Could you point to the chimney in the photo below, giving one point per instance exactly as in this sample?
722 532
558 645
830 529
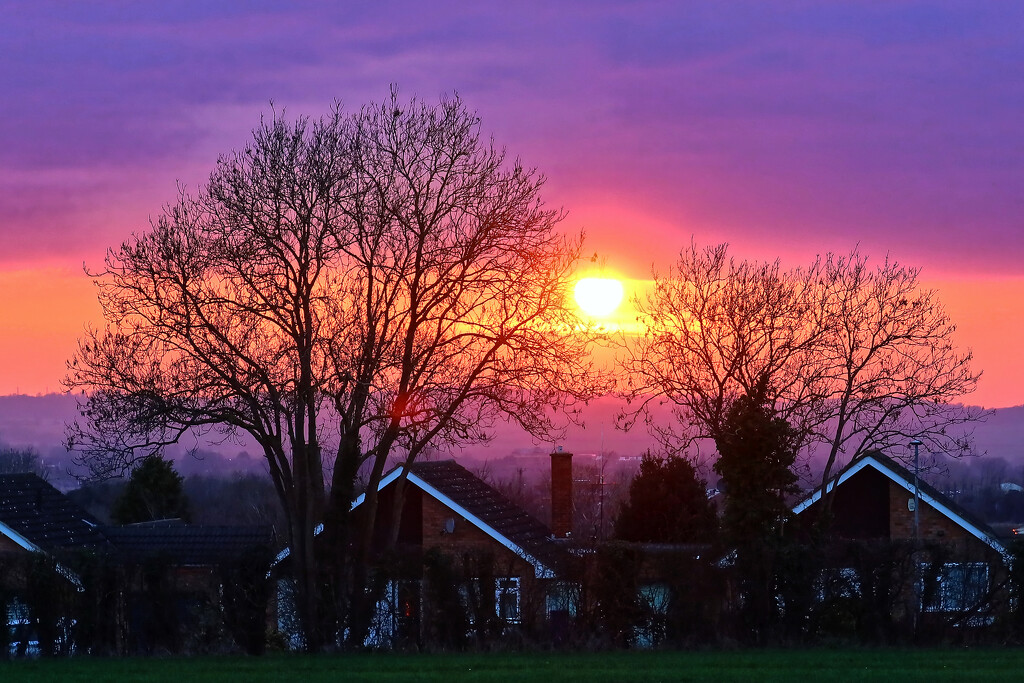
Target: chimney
561 493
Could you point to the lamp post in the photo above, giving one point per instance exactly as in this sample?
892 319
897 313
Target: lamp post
917 498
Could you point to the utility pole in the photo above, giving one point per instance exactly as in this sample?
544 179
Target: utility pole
917 497
918 577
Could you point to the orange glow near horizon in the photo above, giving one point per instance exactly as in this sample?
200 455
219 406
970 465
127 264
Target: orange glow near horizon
42 314
44 311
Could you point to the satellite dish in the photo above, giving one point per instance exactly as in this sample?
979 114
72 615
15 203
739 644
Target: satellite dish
449 526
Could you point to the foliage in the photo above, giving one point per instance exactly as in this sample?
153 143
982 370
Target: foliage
444 614
154 491
612 594
756 453
346 291
245 593
667 503
1016 587
854 357
50 603
644 597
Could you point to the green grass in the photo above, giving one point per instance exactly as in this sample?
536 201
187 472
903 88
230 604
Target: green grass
747 665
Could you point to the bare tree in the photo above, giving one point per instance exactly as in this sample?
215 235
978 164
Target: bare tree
461 314
345 291
890 369
854 357
714 328
21 460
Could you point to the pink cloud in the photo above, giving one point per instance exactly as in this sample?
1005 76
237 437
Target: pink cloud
786 128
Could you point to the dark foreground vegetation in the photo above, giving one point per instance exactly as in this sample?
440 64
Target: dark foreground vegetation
750 665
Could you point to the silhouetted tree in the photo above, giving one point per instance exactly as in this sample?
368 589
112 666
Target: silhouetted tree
154 491
21 460
857 358
246 589
756 453
345 291
667 503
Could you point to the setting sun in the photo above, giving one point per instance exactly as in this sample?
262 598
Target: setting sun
599 296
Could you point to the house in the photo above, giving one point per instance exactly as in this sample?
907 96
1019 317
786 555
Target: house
39 528
178 585
37 518
465 562
68 581
474 552
940 563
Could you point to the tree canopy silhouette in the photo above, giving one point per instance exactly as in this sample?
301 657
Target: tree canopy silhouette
348 291
154 491
852 357
667 503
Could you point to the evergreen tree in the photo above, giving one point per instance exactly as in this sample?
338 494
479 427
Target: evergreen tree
756 453
667 504
154 491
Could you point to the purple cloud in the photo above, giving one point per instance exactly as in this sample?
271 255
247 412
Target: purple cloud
794 126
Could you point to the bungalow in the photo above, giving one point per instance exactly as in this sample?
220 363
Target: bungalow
67 582
37 518
953 565
467 562
39 527
481 557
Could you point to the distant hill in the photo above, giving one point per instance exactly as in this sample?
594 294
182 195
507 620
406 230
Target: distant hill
1002 435
39 421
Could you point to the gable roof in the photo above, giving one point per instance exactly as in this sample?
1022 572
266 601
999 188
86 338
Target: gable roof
485 508
904 478
40 518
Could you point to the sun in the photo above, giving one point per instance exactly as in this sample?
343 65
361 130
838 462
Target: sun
599 296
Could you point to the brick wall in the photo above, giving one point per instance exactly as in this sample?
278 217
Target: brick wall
467 538
561 494
933 525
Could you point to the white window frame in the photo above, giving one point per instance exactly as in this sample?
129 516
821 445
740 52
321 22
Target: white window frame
954 591
507 592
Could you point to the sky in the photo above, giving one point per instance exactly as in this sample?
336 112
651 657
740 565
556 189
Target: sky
787 129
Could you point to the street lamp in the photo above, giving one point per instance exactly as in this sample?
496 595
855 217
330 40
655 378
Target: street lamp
916 443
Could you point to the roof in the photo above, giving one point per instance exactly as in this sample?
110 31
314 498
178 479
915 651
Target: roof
38 517
904 478
183 544
492 513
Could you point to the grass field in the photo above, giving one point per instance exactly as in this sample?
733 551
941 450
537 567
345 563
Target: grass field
760 666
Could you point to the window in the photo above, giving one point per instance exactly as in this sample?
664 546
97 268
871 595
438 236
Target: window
563 597
475 597
384 626
838 583
506 599
959 586
654 598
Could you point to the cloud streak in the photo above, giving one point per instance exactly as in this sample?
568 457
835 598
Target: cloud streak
786 128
